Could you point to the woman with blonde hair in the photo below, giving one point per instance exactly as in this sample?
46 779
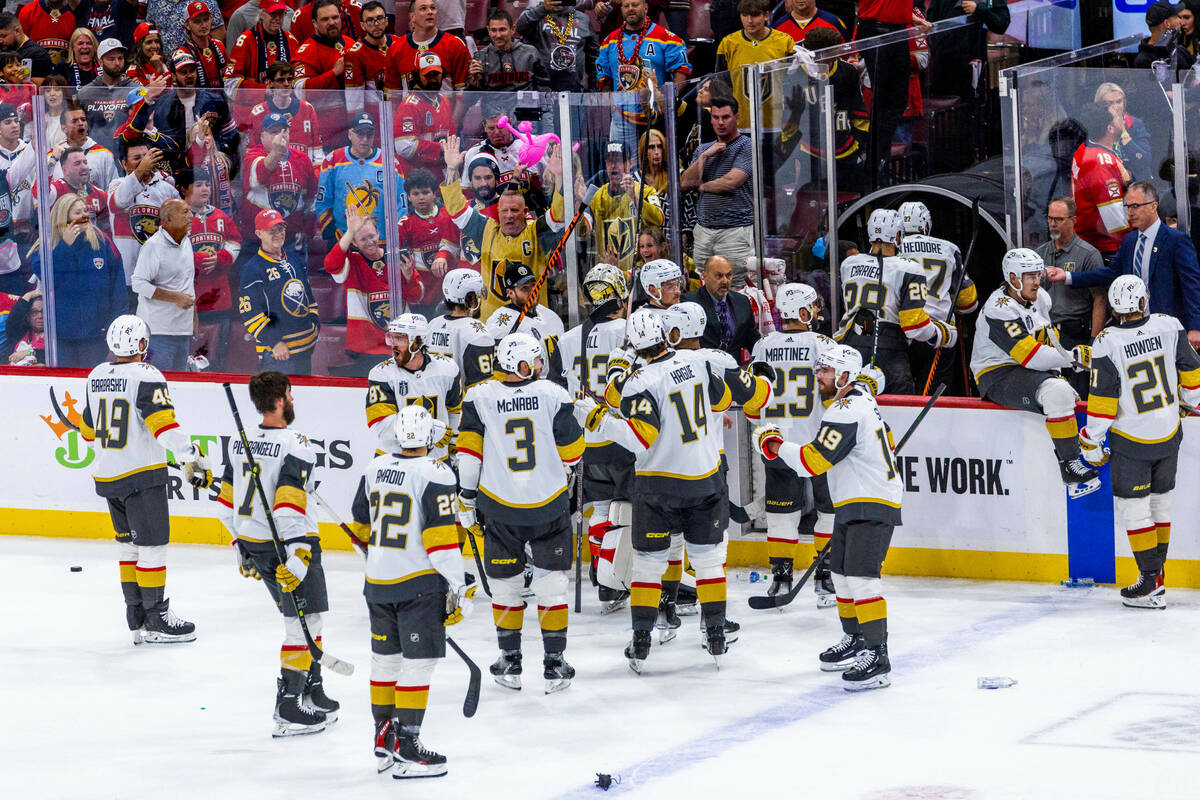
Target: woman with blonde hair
88 283
81 66
1133 143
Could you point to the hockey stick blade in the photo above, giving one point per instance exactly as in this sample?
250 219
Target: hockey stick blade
336 664
471 702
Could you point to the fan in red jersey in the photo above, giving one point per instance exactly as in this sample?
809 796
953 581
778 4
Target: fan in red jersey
425 118
77 179
254 51
424 37
429 233
280 98
209 53
216 242
49 23
366 60
320 71
276 177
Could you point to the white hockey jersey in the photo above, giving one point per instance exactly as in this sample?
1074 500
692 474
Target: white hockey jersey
464 341
853 445
942 262
795 407
435 385
407 506
129 416
543 325
1010 333
286 461
517 440
1140 372
902 302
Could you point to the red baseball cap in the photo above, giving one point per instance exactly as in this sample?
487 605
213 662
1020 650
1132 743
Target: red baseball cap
143 30
267 218
429 62
196 8
272 6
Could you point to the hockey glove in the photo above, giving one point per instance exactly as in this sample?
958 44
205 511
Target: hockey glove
457 608
466 511
1092 451
872 379
245 564
768 438
291 573
763 370
446 437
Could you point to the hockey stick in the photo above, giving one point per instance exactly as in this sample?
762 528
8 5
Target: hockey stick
937 356
326 660
579 541
532 302
781 600
472 700
478 561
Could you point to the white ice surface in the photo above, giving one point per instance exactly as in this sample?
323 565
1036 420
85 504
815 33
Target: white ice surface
1106 704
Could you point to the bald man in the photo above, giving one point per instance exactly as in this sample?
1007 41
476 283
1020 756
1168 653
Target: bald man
164 282
731 325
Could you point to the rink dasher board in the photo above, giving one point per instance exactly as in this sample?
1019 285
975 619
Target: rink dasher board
983 496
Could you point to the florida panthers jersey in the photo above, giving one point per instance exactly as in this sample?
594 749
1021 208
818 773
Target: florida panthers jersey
135 213
128 414
795 403
673 406
1140 372
435 385
517 439
286 461
467 343
903 295
1011 333
853 445
407 503
942 263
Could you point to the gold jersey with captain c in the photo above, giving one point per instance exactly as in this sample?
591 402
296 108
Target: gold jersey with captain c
1011 333
128 412
795 406
854 446
435 384
903 300
464 341
404 508
1140 372
285 460
517 440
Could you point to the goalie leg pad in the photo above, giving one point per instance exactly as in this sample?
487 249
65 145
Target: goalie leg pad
614 570
550 589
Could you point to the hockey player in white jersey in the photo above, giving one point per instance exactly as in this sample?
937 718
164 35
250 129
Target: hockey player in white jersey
1142 367
893 301
404 511
542 324
519 436
459 335
662 285
411 377
796 410
1016 359
129 419
285 461
854 446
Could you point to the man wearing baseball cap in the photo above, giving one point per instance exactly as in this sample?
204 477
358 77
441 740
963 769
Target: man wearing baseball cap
616 204
208 52
275 301
278 177
255 50
1162 44
171 17
353 177
425 118
541 322
104 99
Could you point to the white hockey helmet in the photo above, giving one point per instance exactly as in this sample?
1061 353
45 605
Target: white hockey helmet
841 359
126 335
915 217
792 297
1021 261
413 427
645 329
1126 294
516 348
883 226
659 271
414 326
460 284
688 317
605 282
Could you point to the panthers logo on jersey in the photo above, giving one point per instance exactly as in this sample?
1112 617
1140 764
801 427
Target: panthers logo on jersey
143 221
284 197
629 76
380 306
295 297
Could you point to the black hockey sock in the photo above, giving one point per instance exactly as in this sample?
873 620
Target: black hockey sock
847 616
1064 433
872 620
643 604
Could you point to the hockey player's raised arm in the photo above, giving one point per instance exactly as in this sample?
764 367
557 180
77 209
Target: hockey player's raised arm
1009 336
440 535
643 419
833 442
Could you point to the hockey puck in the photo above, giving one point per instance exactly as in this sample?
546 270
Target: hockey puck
76 569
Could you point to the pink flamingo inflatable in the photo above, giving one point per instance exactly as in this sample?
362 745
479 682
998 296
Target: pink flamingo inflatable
533 148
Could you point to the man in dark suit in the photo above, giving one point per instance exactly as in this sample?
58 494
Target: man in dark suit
1164 258
731 325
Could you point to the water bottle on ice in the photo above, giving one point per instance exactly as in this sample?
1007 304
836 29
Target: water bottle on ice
996 683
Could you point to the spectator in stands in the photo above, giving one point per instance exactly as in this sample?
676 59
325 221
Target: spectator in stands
246 17
721 174
1079 314
107 19
171 16
148 61
89 286
429 235
425 117
366 60
423 36
1163 43
484 175
352 179
134 200
452 17
506 65
281 98
359 263
100 159
18 171
652 244
80 66
12 37
104 99
216 244
1162 257
1133 138
617 204
276 303
499 143
276 177
54 100
730 319
565 39
1098 180
633 57
1187 12
14 89
208 51
803 15
321 69
350 14
165 282
49 23
77 179
24 342
951 52
255 50
755 43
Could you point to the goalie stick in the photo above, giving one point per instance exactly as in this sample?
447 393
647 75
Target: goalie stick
781 600
325 659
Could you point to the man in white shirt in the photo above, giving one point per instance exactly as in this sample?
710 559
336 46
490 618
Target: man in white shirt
18 165
164 282
100 159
